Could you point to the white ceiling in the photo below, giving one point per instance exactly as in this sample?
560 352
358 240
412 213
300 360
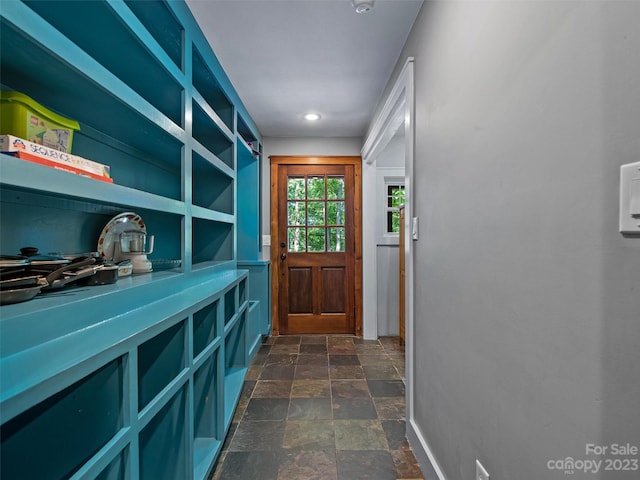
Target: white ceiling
289 57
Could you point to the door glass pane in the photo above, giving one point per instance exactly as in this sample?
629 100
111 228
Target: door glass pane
295 213
295 188
297 239
315 188
336 239
316 240
317 202
316 213
335 188
335 213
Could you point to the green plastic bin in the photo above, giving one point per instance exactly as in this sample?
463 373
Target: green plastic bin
23 117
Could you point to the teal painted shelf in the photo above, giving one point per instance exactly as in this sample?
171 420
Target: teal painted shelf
22 175
138 379
150 346
85 329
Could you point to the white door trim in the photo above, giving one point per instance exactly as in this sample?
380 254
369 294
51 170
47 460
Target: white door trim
399 106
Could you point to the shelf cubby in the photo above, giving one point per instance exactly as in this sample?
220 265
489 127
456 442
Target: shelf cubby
74 226
208 133
167 232
206 415
230 305
212 242
160 360
64 226
54 438
205 327
242 292
163 26
247 136
206 83
245 131
235 365
212 188
126 56
248 179
166 432
159 175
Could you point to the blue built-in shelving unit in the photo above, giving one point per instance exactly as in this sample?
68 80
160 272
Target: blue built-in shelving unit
249 234
139 379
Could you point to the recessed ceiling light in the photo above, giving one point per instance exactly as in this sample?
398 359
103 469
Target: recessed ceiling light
312 117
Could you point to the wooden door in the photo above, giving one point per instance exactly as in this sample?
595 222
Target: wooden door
315 243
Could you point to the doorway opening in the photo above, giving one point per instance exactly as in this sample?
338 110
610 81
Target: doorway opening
394 121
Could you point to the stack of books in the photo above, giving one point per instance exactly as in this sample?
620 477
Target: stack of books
50 157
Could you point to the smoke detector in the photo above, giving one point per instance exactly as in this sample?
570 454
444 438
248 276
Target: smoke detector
362 6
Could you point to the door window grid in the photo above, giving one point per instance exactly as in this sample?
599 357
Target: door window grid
316 213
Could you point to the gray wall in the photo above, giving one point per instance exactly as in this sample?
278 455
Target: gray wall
527 299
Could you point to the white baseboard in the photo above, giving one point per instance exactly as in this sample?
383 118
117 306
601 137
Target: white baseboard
421 450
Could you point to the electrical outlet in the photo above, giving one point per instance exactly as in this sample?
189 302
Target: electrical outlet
481 472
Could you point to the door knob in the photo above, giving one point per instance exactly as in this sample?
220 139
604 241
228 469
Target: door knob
282 244
283 256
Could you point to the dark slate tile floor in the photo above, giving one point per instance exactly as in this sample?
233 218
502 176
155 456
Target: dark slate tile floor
321 407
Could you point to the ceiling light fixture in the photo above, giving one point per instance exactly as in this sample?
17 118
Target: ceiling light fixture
362 6
312 117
